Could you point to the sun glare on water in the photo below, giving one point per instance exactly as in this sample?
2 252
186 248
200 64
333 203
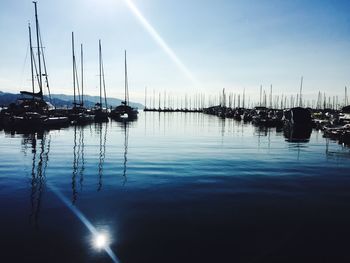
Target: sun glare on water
100 241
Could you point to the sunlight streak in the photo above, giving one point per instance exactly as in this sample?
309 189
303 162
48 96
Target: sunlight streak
161 41
100 239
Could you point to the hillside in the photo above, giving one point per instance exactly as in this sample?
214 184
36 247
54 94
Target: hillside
62 100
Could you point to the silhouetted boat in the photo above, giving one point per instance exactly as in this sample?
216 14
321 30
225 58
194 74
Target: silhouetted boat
58 121
259 116
79 114
297 124
124 111
25 120
344 116
297 117
337 132
32 111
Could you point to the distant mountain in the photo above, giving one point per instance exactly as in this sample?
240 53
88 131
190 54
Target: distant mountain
7 98
90 101
62 100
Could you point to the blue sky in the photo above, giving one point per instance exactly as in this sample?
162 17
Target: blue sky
232 44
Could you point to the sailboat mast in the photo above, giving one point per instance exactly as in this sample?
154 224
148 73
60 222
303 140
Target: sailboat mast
82 75
346 96
100 60
165 100
31 57
126 82
145 97
104 83
159 101
301 89
45 70
271 106
38 44
260 95
243 103
73 69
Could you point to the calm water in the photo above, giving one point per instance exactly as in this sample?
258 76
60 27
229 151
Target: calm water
173 188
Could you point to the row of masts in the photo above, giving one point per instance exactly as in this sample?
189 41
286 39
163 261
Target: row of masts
78 95
163 101
39 70
102 83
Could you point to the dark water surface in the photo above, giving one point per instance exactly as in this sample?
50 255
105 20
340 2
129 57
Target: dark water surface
173 188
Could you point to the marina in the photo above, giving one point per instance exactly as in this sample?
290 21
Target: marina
31 111
170 185
134 136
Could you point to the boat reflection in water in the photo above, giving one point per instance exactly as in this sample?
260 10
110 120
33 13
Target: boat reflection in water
79 162
125 126
182 184
101 129
124 112
297 134
78 166
39 145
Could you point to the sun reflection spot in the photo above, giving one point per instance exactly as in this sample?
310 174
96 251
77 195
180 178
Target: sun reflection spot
100 241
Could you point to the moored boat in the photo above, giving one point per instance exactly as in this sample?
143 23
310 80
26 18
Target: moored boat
78 114
297 117
124 111
31 111
56 121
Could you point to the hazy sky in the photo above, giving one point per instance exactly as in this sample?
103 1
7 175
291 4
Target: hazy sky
232 44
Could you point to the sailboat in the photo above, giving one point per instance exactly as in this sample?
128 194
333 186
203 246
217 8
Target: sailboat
36 99
32 111
78 114
101 114
124 111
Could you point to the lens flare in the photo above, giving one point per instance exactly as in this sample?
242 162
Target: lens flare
101 240
161 42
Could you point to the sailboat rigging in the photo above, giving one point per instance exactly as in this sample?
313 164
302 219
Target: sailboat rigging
101 113
41 64
124 111
32 111
78 114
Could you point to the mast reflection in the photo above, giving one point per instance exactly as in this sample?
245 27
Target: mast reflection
126 142
75 167
78 166
125 125
102 152
81 174
39 143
